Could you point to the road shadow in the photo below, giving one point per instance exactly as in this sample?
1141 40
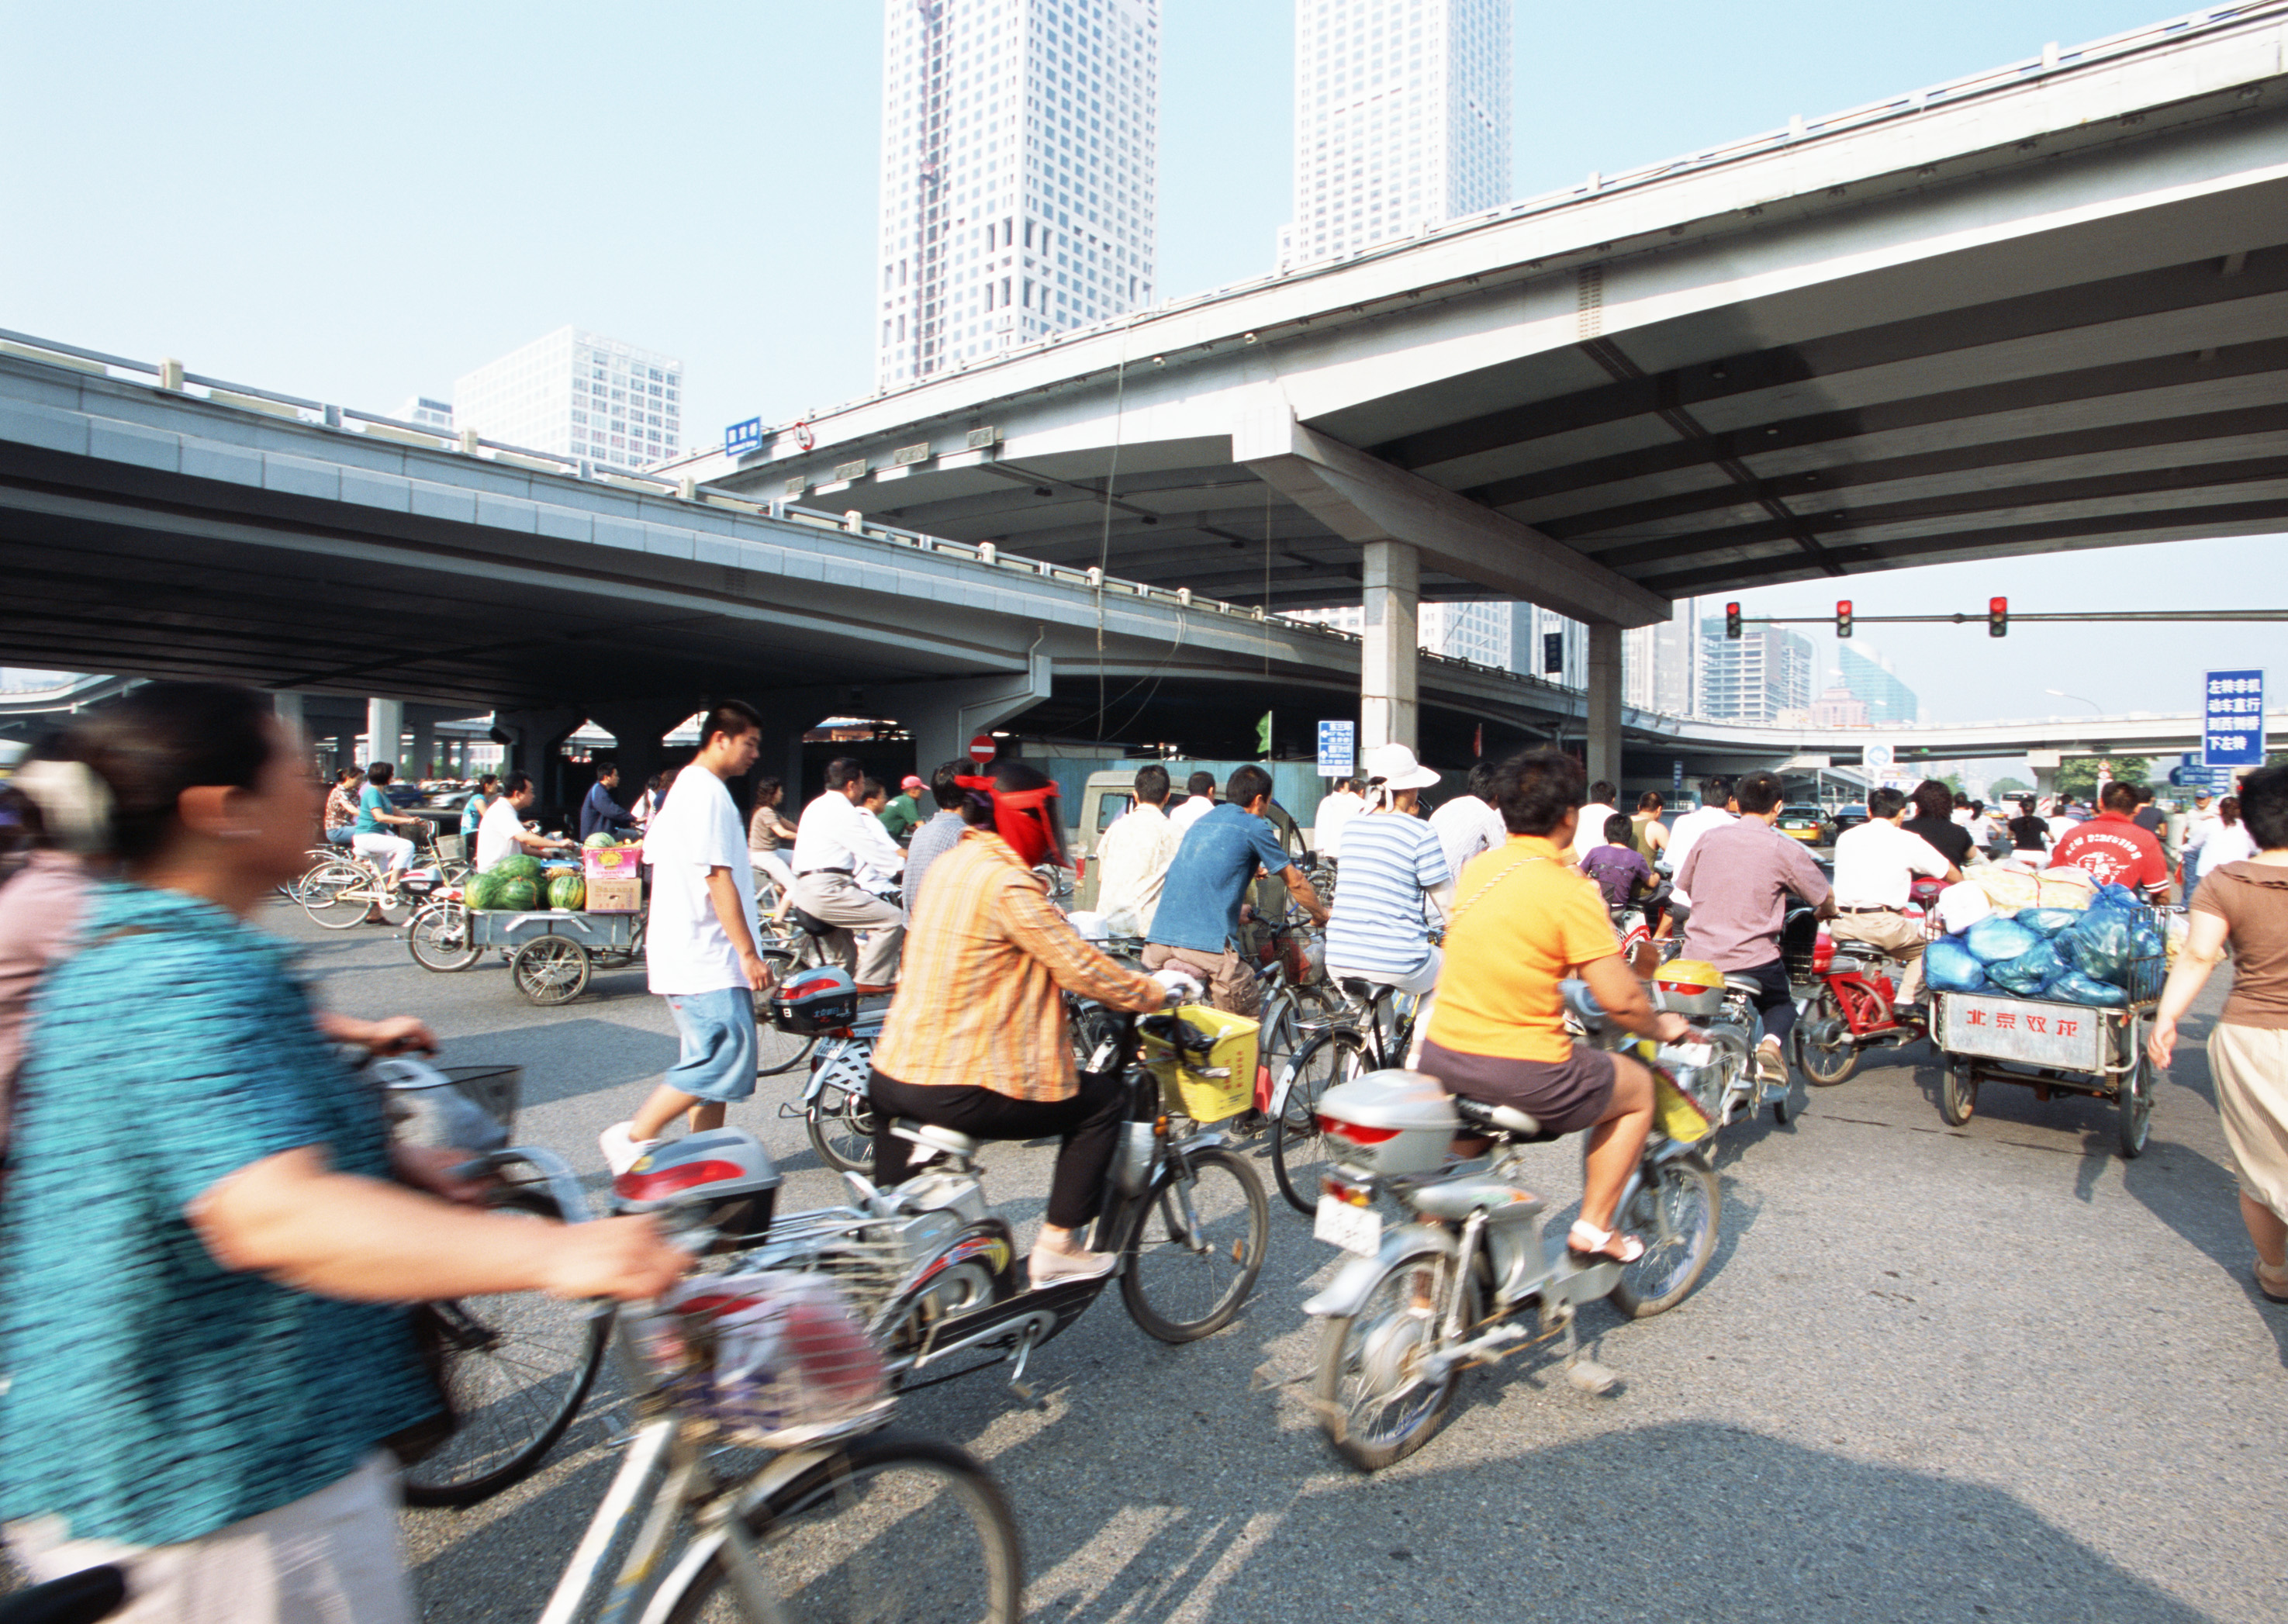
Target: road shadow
567 1055
1686 1521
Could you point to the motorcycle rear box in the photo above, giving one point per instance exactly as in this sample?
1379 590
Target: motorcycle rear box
810 1002
724 1174
1404 1119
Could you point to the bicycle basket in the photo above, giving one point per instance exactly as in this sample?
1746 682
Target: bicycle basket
452 849
1304 953
1214 1074
469 1108
774 1359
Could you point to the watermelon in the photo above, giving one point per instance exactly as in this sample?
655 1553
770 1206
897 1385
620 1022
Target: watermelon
568 891
482 891
600 841
519 895
517 866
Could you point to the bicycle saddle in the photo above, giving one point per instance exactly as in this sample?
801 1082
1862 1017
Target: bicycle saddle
937 1138
1499 1119
1743 984
809 922
1362 989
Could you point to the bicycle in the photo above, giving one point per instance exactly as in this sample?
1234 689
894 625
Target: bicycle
344 889
844 1520
1337 1053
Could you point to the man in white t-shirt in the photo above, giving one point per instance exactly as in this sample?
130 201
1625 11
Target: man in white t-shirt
1590 834
837 842
1340 804
501 831
1199 800
699 940
1468 824
1876 864
1133 857
1717 808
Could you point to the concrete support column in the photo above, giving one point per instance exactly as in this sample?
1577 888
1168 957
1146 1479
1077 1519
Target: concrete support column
424 751
1389 660
529 739
943 717
636 728
1603 720
2045 764
288 706
384 730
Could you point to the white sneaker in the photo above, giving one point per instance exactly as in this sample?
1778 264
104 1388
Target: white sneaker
621 1151
1049 1268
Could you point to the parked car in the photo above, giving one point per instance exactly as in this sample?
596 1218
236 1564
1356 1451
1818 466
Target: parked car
1849 817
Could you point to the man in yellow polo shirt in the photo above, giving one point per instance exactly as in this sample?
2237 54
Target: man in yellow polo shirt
1524 920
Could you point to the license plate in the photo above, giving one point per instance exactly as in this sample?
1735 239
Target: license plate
1354 1229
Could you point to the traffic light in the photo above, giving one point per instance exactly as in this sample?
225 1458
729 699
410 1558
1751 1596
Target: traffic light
1843 617
1998 617
1732 621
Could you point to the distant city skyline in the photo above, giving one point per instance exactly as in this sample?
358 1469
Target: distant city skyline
579 395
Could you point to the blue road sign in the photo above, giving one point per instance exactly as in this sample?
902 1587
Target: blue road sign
742 438
1337 749
2232 727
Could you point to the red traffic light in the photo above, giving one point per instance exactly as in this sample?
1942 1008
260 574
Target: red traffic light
1732 621
1843 617
1998 617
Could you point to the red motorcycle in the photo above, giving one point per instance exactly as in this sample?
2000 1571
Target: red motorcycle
1855 1004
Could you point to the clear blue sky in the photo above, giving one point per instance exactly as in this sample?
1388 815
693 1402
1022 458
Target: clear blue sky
355 203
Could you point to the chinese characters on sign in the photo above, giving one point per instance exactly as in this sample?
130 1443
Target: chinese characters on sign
2232 711
1337 749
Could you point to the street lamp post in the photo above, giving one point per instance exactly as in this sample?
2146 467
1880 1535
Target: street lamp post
2062 694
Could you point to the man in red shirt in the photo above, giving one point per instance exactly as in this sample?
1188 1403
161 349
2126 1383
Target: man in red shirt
2114 849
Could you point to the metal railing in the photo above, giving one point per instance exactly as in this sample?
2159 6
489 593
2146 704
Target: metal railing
170 377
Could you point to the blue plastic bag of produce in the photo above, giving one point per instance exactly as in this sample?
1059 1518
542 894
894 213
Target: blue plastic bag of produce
1994 940
2046 921
2112 895
1951 967
2101 946
2029 972
2075 987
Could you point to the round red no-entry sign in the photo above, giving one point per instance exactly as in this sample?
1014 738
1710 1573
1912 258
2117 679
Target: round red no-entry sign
980 748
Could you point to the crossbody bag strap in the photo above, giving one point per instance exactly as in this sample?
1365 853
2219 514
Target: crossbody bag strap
1459 908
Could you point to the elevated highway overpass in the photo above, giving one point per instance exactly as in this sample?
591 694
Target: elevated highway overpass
2042 309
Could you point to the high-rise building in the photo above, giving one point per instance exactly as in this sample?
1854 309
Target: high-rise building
1872 681
428 414
1509 637
1660 664
1401 119
1020 143
578 394
1758 677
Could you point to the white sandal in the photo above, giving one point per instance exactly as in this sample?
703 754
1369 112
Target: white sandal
1590 1241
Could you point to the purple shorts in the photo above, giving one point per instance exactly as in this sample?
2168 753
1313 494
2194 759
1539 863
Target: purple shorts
1563 1095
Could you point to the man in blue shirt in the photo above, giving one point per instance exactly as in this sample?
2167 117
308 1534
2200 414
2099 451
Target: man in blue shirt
602 812
1200 901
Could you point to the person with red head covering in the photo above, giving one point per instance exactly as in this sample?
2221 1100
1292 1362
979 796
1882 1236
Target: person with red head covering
976 1040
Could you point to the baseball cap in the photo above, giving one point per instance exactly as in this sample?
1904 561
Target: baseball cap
910 782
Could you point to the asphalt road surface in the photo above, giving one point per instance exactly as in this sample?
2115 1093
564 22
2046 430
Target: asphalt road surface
1995 1373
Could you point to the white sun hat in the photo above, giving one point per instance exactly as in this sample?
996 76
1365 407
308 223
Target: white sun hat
1393 766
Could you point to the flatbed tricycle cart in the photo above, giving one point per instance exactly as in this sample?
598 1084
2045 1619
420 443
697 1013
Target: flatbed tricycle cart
552 951
2052 1048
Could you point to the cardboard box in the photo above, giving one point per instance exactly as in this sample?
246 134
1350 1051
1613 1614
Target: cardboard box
620 895
610 863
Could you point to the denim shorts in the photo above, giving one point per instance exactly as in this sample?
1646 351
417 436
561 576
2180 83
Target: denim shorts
719 1058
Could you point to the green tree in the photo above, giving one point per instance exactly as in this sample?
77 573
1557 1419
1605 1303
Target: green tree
2078 777
2008 786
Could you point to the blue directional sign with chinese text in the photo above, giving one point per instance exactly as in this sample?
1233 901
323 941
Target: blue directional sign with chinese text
2232 727
1337 749
742 438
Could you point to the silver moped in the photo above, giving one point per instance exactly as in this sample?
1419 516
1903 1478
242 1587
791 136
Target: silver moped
1469 1276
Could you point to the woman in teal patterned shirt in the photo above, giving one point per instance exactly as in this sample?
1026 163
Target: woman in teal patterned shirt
204 1232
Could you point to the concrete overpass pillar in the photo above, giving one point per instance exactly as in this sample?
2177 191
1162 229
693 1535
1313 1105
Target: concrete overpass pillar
944 717
636 728
1603 719
423 751
288 706
529 739
384 730
2045 764
1388 661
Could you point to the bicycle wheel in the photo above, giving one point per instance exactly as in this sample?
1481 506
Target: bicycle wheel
891 1529
1675 1214
338 895
440 938
1298 1150
551 970
795 1056
1377 1401
1196 1246
521 1366
841 1129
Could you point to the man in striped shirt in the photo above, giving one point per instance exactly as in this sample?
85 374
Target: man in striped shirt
1393 862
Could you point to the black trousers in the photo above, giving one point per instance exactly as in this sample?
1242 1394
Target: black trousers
1777 1002
1088 1123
